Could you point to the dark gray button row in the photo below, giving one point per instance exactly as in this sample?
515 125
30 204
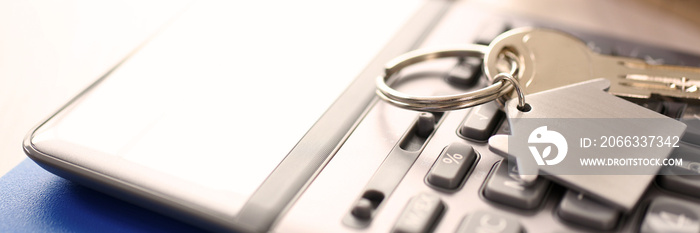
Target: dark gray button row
503 188
420 215
466 72
451 167
586 212
685 178
667 214
481 121
482 221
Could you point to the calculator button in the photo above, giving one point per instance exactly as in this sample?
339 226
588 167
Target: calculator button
583 211
420 214
692 132
654 106
466 72
490 30
452 165
363 209
691 118
674 109
504 189
481 121
425 124
667 214
683 179
482 221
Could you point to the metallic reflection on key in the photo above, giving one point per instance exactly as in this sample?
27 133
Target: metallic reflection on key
648 82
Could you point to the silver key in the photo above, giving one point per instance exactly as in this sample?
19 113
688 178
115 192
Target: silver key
550 59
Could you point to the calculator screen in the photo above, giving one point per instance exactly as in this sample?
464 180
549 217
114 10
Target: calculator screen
221 96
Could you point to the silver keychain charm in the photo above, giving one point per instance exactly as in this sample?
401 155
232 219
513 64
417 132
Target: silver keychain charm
502 84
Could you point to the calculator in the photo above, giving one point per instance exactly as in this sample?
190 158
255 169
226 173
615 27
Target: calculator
181 142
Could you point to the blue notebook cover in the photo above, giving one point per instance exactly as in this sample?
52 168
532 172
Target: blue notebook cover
34 200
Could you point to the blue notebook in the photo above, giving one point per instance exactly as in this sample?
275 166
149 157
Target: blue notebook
34 200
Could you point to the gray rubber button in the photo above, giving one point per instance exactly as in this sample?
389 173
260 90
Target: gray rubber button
481 121
451 167
482 221
501 187
692 132
426 124
586 212
466 73
667 214
363 209
683 179
420 214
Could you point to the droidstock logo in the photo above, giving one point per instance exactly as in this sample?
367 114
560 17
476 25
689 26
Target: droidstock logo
541 136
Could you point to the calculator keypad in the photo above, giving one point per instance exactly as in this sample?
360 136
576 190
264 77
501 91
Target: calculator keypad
477 191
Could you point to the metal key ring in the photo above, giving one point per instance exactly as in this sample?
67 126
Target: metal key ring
522 106
446 102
